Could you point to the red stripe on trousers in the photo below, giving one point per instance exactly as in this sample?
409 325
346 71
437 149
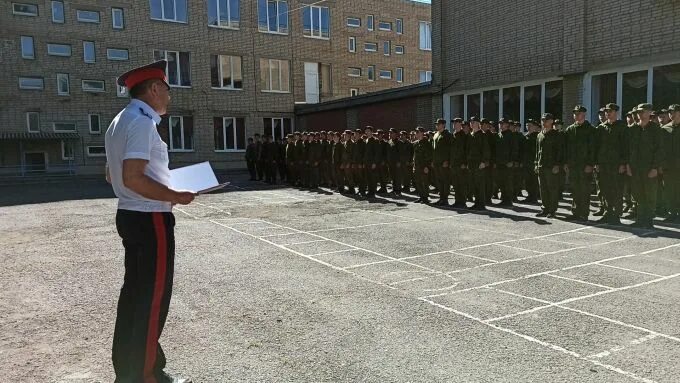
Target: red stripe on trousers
158 290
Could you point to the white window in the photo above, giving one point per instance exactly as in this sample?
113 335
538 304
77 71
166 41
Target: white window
115 54
398 49
425 36
67 150
425 75
274 75
178 133
32 83
89 55
23 9
96 151
58 12
121 91
385 26
64 127
117 18
27 48
88 16
386 74
224 13
353 22
352 44
225 72
272 16
371 73
230 134
33 122
95 125
387 48
353 92
169 10
95 86
370 22
400 74
400 26
63 84
278 128
59 50
371 47
179 66
354 72
316 22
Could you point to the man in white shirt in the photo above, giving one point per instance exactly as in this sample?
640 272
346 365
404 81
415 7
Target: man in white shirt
137 168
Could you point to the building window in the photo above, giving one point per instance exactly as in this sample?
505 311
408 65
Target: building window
33 122
353 22
58 12
178 133
278 128
354 72
230 134
274 75
114 54
353 92
666 85
23 9
371 73
273 16
370 22
490 104
96 151
386 74
425 36
117 18
316 22
400 26
88 16
554 98
424 76
352 44
400 74
67 151
31 83
95 125
225 72
385 26
59 50
325 83
63 86
64 127
398 49
89 55
224 13
169 10
27 49
94 86
121 91
371 47
179 66
387 48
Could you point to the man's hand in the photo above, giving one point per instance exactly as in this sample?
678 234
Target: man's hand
566 168
445 164
596 168
482 166
652 173
588 169
622 169
555 169
629 172
508 165
426 170
183 197
373 166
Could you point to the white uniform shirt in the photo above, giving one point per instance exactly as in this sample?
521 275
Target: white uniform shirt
133 135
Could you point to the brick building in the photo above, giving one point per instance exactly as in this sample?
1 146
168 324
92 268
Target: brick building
517 59
237 67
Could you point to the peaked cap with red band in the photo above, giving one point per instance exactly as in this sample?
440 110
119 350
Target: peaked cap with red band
138 75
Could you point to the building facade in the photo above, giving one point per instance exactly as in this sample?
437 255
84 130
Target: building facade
517 59
236 67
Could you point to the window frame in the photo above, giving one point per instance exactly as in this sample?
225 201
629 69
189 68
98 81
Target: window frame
163 18
99 122
221 77
24 56
63 152
171 147
179 70
380 74
28 122
397 48
68 85
93 90
270 68
230 21
109 50
42 81
428 47
278 21
350 74
353 92
370 73
370 50
86 21
399 70
283 126
113 18
347 22
94 52
235 131
380 27
51 45
387 48
55 130
370 23
399 26
427 73
14 11
63 12
89 152
352 44
311 16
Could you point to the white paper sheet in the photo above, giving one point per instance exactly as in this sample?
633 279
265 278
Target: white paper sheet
198 178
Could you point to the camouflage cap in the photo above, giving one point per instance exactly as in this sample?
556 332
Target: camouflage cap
420 129
403 132
611 106
601 111
674 108
358 131
474 119
503 121
368 127
580 109
440 121
547 116
484 121
457 119
645 107
392 130
664 111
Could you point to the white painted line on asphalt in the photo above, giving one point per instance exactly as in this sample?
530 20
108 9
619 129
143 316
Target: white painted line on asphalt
332 252
630 270
303 243
599 235
619 348
580 281
519 248
253 223
361 226
276 235
661 248
211 207
182 211
540 342
476 257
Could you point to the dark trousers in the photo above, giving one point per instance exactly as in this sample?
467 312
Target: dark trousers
422 183
504 180
149 242
443 179
580 183
671 180
645 191
549 184
396 174
270 172
610 183
461 181
478 185
261 165
371 179
252 169
531 182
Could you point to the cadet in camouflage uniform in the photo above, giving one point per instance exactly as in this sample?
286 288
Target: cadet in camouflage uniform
529 162
314 156
478 156
394 162
671 168
359 148
645 159
549 161
291 166
441 155
517 166
406 159
422 165
580 158
611 157
348 161
488 129
506 156
337 150
372 160
458 161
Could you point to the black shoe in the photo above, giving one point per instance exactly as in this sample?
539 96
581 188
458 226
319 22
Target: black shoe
442 202
165 378
382 191
672 218
614 221
551 215
425 201
542 214
626 209
459 205
574 218
599 213
604 218
370 195
419 200
479 207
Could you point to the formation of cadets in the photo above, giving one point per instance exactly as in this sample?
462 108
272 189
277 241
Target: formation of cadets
632 165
